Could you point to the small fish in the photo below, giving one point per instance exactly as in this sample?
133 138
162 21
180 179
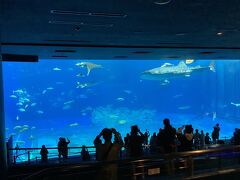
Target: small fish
81 85
235 104
59 82
44 91
17 127
19 104
66 107
22 130
80 75
17 118
122 122
22 110
33 104
189 61
187 75
165 82
112 116
83 96
13 96
31 137
56 69
184 107
25 126
120 99
178 96
18 91
50 88
127 91
69 102
40 112
33 127
73 124
26 106
84 114
214 116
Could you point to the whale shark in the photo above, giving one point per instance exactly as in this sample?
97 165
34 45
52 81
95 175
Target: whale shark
89 66
170 71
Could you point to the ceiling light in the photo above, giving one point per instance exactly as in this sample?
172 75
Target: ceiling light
162 2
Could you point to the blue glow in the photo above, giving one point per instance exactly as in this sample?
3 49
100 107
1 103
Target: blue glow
57 98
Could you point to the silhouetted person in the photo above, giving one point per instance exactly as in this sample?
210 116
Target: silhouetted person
186 139
65 148
108 151
44 154
196 139
60 148
126 143
146 136
207 139
85 154
160 147
136 140
215 133
153 143
202 140
168 137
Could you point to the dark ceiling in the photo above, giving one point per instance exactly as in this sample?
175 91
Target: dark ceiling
122 29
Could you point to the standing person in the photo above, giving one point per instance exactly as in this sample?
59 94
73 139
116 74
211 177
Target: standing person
44 154
108 151
168 137
153 143
186 139
65 148
207 139
136 140
60 148
202 140
85 154
126 141
215 133
196 140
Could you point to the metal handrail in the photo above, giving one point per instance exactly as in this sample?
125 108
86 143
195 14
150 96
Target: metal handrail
189 155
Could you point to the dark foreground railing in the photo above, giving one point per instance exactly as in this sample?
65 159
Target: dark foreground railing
32 155
183 165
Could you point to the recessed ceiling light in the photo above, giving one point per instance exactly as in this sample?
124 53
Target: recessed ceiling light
180 34
162 2
220 33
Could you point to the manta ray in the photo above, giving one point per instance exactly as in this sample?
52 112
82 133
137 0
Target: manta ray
89 66
170 71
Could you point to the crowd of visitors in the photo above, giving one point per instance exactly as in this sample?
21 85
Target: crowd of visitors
137 143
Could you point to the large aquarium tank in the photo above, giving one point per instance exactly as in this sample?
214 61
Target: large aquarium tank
77 99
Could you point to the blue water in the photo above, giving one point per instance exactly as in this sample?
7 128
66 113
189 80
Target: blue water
49 105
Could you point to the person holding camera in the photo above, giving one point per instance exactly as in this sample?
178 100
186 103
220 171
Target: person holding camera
136 141
108 151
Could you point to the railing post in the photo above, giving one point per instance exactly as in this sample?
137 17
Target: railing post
28 157
219 162
170 165
190 166
14 159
